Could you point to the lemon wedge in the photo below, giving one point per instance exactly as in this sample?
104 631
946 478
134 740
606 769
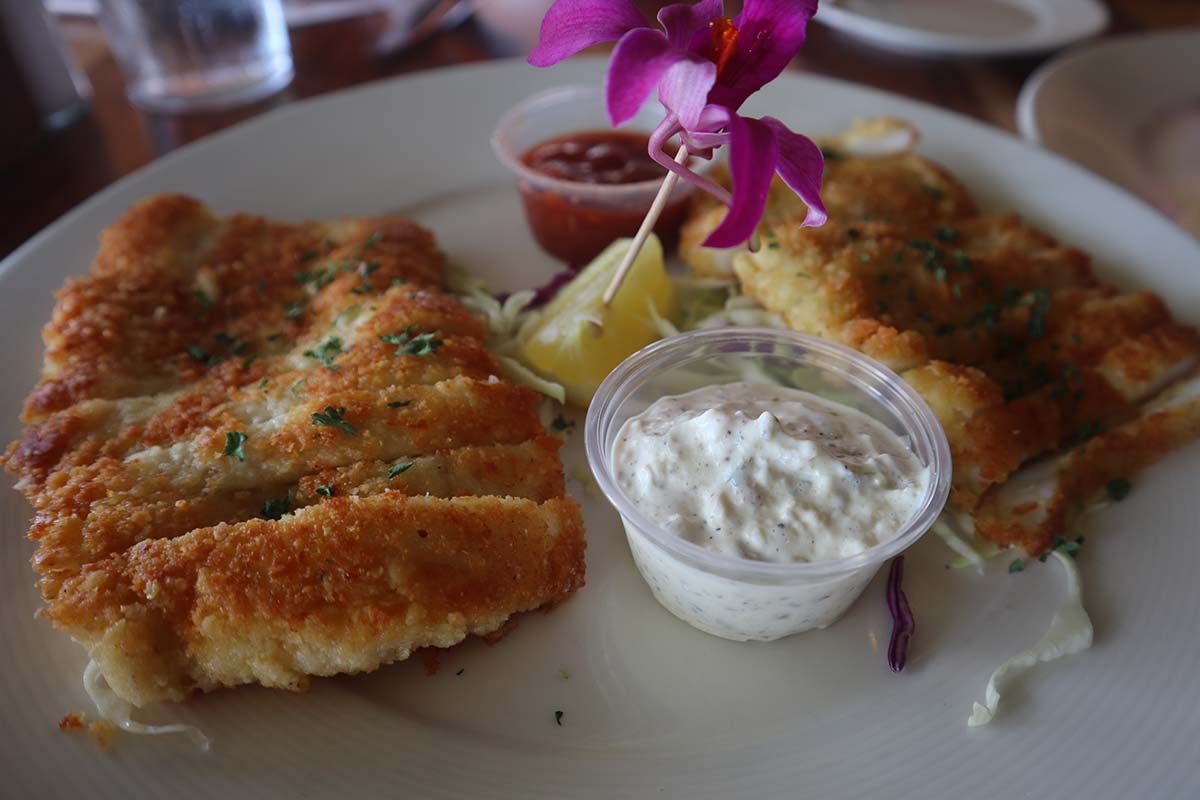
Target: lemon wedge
577 341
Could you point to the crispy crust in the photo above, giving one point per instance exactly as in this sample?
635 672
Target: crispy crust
1017 346
341 587
359 398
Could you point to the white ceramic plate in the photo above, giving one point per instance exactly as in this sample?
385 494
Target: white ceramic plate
966 27
1128 109
652 708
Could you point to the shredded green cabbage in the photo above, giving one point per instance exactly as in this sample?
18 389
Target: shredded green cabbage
1070 632
505 321
957 531
119 712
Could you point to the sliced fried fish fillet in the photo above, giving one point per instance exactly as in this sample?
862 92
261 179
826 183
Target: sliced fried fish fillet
1009 336
1038 502
902 189
340 587
223 392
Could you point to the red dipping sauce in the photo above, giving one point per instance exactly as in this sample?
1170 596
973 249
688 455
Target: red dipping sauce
608 181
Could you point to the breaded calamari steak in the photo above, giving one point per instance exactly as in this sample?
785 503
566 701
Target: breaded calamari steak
248 428
1009 336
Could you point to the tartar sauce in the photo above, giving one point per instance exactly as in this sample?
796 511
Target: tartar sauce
763 473
767 473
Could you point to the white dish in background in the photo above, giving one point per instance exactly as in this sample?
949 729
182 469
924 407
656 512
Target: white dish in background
966 27
1127 109
652 708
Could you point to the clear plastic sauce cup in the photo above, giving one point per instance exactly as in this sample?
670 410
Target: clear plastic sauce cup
736 598
571 220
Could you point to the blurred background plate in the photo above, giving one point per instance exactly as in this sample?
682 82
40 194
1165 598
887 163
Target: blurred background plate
966 27
1128 109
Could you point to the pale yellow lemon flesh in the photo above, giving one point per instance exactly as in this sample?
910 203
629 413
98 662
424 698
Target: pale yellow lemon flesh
566 345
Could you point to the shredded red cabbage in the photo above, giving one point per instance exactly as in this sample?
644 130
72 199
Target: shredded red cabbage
545 293
903 623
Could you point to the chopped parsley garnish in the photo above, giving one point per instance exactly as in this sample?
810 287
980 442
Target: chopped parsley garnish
833 156
1018 565
202 298
1068 546
309 255
988 314
327 352
945 234
233 444
236 346
1087 430
263 383
197 352
558 715
271 337
561 423
200 354
1040 300
933 191
294 311
314 276
324 491
853 233
399 403
297 385
403 466
939 273
461 671
562 673
412 343
772 245
367 267
334 417
370 241
275 509
1118 489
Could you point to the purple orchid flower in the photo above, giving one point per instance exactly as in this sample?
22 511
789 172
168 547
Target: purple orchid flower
704 66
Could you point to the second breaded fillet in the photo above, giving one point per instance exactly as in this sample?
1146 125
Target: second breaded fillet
1008 335
261 450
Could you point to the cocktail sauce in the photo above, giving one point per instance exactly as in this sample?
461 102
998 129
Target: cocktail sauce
577 219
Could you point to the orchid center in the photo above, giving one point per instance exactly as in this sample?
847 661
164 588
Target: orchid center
724 42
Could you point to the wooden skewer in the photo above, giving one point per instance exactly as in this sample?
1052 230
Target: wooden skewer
660 201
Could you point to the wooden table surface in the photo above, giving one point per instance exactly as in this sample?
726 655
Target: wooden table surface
115 138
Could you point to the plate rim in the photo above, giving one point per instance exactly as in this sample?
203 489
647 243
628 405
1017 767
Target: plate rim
964 126
916 41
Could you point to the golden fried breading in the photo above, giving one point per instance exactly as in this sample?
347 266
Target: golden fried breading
1037 502
1009 336
341 587
902 189
217 380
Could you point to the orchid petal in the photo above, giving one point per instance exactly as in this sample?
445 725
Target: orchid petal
753 154
571 25
709 130
637 65
801 166
682 21
684 89
665 130
770 34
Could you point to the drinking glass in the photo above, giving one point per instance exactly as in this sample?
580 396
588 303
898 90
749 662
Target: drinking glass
198 55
